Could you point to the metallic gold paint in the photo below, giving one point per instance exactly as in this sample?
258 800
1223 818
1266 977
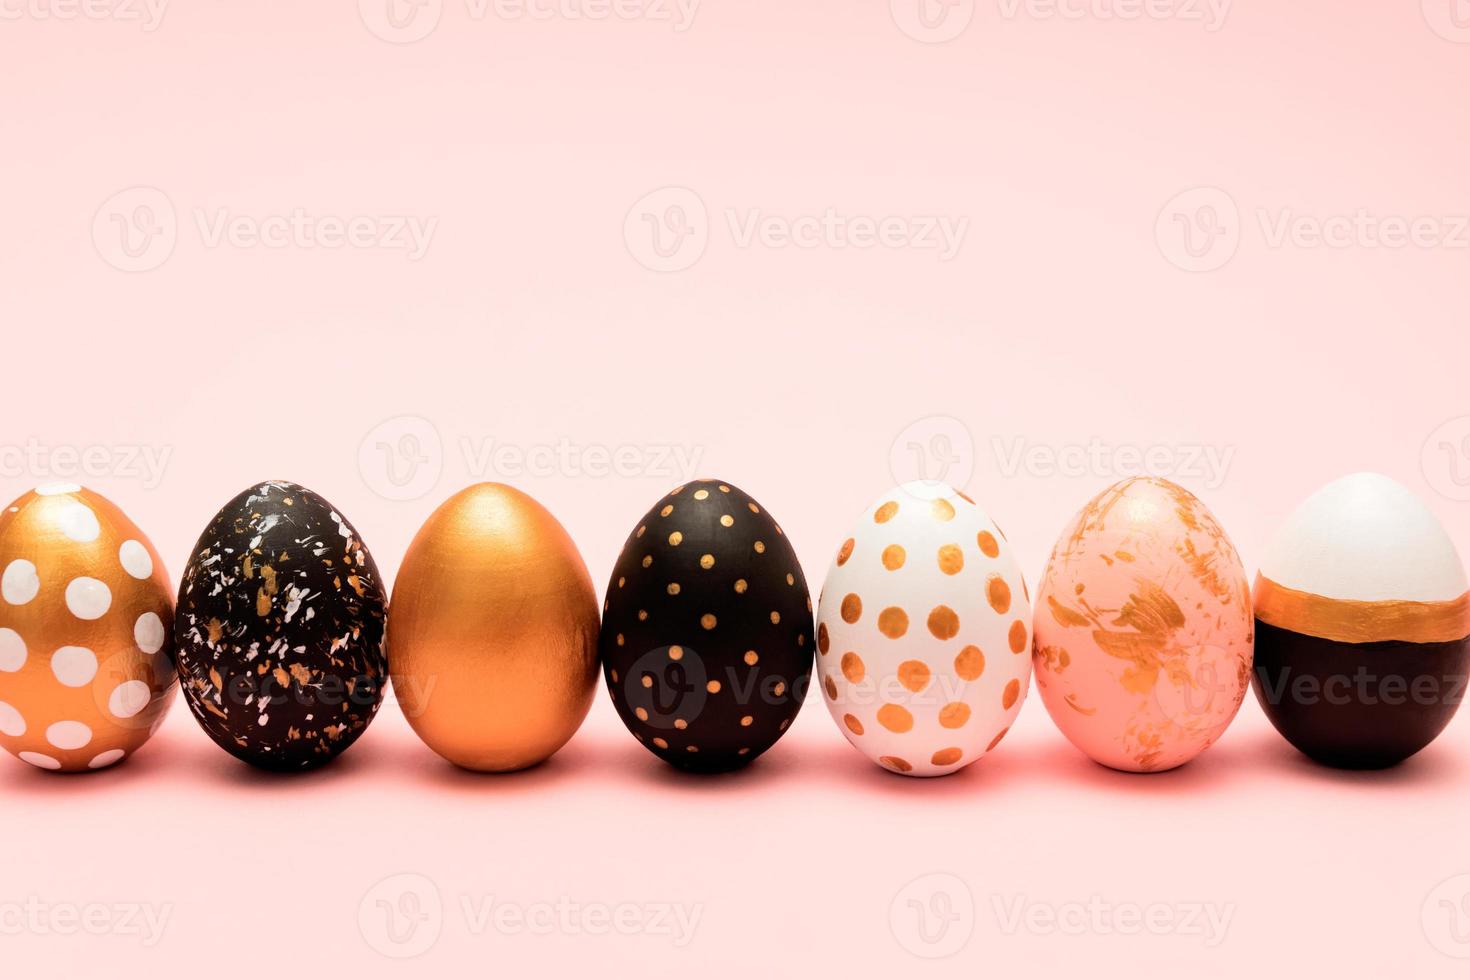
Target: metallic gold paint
492 631
32 530
1356 621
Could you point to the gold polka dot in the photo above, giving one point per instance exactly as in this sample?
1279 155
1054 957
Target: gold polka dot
621 581
831 688
970 663
943 622
852 607
724 489
668 509
673 588
1013 691
726 520
747 721
676 491
845 552
660 743
706 561
680 724
943 510
946 757
676 538
676 653
647 560
894 557
988 545
775 618
914 675
954 714
998 593
642 615
614 677
801 639
641 529
895 763
784 723
740 586
885 513
641 713
713 687
752 658
893 622
708 621
647 680
951 559
790 579
779 689
691 748
744 752
895 718
1018 637
753 508
853 668
620 639
853 725
824 642
760 547
701 495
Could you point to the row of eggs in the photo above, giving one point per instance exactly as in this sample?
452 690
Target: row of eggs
1144 639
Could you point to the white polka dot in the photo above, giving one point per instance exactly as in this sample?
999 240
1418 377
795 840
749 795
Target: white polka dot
88 598
12 651
74 666
128 698
135 559
68 735
148 632
39 761
20 583
106 759
55 489
11 723
78 522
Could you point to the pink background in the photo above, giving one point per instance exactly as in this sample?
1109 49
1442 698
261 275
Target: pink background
1064 318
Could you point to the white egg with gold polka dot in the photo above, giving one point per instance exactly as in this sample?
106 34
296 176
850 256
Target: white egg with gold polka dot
923 632
86 614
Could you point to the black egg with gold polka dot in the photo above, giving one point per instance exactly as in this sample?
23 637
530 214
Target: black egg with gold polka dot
706 637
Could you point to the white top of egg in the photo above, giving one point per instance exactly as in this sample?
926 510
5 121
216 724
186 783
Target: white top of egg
1366 538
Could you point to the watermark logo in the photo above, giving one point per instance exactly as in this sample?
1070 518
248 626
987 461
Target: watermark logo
1445 459
1450 19
1199 229
136 229
668 687
148 14
667 230
932 21
402 458
1446 917
401 916
933 916
401 21
937 452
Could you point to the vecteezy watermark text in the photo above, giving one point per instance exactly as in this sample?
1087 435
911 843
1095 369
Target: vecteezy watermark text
35 916
1209 464
39 462
407 21
148 14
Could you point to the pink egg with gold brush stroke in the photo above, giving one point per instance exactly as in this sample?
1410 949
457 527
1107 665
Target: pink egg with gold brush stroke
1143 630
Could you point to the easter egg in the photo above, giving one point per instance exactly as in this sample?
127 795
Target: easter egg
280 629
86 641
923 632
1143 628
494 632
1361 625
707 632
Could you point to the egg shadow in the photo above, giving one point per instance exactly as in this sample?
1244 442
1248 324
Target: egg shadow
841 767
1432 766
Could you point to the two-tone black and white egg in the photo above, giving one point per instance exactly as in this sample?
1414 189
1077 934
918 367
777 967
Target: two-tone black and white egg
279 629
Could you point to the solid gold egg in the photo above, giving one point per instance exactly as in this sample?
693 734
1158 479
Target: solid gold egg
492 631
86 631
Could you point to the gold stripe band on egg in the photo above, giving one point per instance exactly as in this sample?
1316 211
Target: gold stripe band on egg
1358 621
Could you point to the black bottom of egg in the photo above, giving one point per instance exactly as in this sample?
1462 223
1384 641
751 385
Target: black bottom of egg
1358 705
707 638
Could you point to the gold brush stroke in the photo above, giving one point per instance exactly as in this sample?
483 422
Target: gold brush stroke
1355 621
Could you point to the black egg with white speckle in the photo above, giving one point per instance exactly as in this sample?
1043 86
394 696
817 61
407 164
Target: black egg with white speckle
706 638
279 630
